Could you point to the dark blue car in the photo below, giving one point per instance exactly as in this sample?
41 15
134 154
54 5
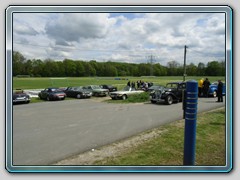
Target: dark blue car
213 89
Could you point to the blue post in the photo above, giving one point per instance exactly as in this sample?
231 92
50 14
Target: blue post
190 122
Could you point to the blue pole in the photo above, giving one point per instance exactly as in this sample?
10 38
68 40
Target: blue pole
190 122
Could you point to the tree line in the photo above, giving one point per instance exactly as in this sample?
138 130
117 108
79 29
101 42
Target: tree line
79 68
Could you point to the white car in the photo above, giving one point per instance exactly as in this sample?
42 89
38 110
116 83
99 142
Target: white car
125 93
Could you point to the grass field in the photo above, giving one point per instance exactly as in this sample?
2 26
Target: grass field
41 83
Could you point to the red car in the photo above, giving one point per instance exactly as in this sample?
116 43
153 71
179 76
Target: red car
52 94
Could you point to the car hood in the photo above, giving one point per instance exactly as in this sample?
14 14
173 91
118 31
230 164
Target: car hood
168 89
124 92
19 95
100 90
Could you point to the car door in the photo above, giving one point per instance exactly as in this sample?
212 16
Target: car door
45 93
181 88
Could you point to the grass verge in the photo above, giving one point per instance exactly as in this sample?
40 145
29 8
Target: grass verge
134 98
37 99
167 148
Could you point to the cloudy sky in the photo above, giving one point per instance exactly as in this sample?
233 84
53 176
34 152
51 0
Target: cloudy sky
122 37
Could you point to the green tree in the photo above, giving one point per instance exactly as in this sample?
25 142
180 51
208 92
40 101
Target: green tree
70 67
89 70
173 68
191 69
28 69
18 63
214 69
50 68
79 69
110 70
37 67
201 69
61 69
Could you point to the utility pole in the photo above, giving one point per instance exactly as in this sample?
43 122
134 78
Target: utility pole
184 67
151 63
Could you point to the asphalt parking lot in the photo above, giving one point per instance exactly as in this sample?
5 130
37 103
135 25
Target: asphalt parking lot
44 133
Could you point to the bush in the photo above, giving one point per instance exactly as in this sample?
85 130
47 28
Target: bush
142 97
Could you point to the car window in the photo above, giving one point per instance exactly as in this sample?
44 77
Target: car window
182 86
126 88
171 85
95 87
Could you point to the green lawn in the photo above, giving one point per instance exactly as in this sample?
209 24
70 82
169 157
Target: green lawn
41 83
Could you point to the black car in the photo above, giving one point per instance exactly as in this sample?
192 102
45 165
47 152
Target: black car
20 97
171 93
154 87
78 92
52 94
109 87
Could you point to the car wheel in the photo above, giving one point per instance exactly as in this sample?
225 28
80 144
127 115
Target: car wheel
79 96
48 99
215 94
169 100
153 102
124 97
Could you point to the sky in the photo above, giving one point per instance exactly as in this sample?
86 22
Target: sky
121 37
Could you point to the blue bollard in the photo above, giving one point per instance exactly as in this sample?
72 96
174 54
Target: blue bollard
190 122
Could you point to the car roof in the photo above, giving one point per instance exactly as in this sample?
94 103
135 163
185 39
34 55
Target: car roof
180 82
52 88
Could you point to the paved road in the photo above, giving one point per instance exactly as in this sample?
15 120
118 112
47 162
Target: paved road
44 133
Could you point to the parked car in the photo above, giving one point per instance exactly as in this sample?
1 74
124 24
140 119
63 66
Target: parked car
171 93
109 87
20 97
78 92
213 89
52 94
154 87
97 90
125 93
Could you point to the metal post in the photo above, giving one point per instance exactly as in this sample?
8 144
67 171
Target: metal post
190 122
184 65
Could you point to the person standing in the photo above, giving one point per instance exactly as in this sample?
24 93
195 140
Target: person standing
206 85
219 91
129 84
200 87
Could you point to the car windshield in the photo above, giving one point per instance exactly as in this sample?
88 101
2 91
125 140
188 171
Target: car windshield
156 87
126 88
81 88
17 91
172 85
215 83
51 90
96 87
76 88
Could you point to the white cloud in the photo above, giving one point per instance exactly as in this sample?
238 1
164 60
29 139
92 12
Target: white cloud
73 27
121 37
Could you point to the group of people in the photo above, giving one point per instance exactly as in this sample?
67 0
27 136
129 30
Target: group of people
140 84
203 88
